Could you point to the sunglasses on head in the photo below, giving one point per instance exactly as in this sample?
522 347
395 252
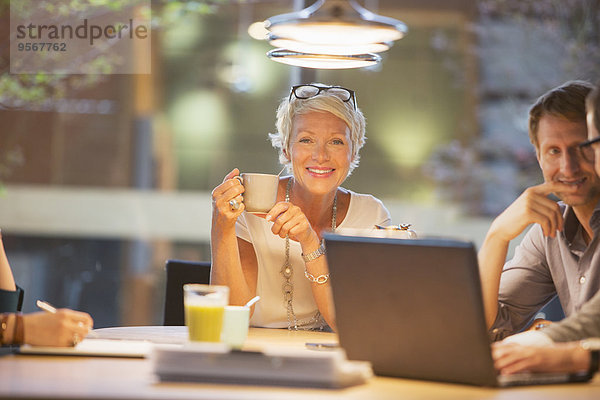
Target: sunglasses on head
304 92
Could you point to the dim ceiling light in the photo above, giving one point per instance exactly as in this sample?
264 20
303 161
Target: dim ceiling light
323 61
337 22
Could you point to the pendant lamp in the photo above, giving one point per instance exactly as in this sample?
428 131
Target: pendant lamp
345 49
339 29
323 61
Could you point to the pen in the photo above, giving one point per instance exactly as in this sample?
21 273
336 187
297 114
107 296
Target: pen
45 306
322 346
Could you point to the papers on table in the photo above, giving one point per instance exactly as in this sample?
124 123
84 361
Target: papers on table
154 334
134 341
96 347
205 362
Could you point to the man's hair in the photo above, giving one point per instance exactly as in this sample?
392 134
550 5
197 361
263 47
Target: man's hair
593 105
566 101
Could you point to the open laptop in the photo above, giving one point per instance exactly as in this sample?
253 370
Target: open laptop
414 309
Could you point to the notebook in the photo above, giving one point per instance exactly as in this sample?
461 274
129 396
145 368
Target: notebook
414 309
95 347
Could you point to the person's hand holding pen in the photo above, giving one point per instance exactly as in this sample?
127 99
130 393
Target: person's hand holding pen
52 327
55 327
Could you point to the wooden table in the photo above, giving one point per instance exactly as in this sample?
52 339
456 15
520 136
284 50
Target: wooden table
68 377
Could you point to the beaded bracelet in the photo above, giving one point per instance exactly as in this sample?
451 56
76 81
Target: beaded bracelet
18 330
18 336
3 326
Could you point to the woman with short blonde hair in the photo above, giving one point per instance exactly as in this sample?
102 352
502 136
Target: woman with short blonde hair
279 256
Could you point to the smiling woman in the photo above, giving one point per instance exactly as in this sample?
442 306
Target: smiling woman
320 131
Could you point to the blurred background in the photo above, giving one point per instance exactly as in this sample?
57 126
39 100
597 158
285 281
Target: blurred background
105 177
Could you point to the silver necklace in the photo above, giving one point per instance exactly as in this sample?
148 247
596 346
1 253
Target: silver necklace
287 271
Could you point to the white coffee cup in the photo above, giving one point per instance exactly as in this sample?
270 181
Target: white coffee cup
235 325
260 191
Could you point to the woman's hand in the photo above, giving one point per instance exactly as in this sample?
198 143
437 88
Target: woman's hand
289 219
230 190
63 329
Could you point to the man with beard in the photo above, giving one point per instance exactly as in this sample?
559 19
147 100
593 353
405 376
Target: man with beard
559 255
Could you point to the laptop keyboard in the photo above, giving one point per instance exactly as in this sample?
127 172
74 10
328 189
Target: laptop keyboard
540 378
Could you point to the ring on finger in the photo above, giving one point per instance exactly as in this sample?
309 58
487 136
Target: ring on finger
76 339
234 204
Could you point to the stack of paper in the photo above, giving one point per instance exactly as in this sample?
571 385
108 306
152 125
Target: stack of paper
272 366
95 347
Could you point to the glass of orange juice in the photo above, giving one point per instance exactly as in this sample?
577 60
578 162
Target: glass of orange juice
204 307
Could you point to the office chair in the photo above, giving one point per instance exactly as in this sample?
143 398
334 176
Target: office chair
180 272
552 311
